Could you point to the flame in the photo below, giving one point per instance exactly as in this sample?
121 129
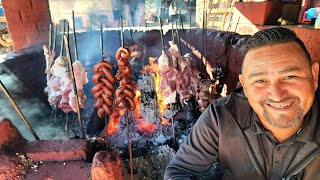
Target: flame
114 120
142 124
153 69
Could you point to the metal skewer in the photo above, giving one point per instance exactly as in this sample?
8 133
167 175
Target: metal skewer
171 116
126 114
161 34
122 33
14 104
74 86
50 36
74 37
54 37
62 41
178 39
101 40
102 56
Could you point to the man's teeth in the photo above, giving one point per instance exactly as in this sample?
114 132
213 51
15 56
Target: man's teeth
278 106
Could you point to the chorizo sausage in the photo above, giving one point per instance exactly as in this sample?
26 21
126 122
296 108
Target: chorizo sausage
120 98
123 104
97 94
96 76
108 75
100 112
125 81
107 83
107 109
131 103
130 86
122 62
123 52
119 91
107 91
129 93
101 64
97 87
125 70
107 100
98 103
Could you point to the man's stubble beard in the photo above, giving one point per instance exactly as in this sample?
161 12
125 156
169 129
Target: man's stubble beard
283 121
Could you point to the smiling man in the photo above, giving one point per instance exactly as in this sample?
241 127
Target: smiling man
270 129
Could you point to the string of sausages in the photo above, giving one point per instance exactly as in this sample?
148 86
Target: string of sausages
124 95
104 81
103 89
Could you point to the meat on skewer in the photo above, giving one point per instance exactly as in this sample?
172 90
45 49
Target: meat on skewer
103 89
124 95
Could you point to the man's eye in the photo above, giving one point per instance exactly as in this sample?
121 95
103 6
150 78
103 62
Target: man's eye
259 81
290 77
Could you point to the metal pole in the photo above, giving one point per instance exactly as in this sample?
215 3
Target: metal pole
14 104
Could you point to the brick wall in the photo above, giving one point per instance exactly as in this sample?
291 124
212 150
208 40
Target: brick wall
28 22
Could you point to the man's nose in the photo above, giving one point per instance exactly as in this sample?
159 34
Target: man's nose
277 91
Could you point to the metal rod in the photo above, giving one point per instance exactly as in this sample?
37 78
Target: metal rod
205 43
54 37
189 3
180 19
74 86
146 36
161 34
171 116
172 33
50 36
74 37
178 39
189 37
129 145
122 33
16 107
107 122
62 42
101 41
66 123
131 37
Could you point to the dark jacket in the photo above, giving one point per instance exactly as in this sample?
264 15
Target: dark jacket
223 134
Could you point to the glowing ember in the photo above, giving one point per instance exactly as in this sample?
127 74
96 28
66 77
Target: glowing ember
143 125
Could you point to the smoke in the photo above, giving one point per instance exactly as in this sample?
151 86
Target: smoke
36 112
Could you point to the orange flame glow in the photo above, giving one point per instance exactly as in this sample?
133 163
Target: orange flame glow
153 69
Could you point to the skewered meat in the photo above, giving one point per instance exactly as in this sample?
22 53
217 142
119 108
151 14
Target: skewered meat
167 82
124 95
80 74
81 78
186 74
103 89
49 55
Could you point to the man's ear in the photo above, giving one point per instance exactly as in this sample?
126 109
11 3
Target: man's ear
315 74
242 83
